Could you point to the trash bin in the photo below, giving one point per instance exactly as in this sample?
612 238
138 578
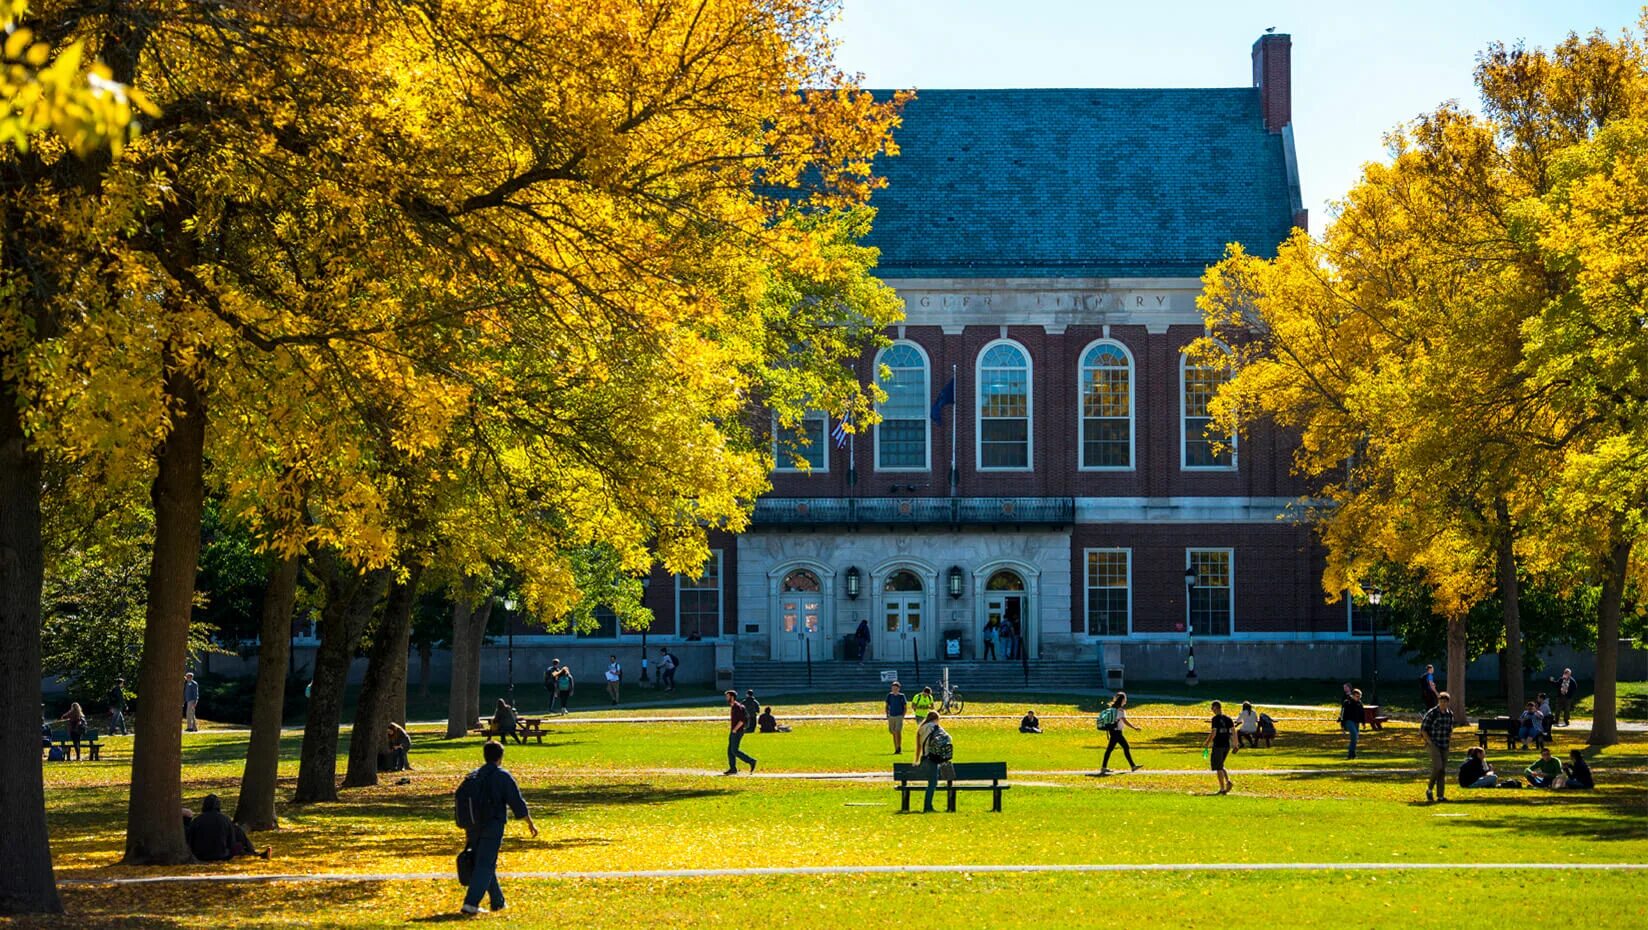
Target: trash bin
952 644
849 646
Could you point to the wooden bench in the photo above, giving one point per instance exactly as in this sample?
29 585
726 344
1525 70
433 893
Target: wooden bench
914 778
525 727
1372 718
89 741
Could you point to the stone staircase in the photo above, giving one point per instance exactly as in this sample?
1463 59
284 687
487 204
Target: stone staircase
969 676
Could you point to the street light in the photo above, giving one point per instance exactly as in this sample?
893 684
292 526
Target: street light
955 582
509 621
1374 597
1190 626
854 578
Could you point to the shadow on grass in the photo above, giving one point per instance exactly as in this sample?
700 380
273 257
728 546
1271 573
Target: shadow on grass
166 906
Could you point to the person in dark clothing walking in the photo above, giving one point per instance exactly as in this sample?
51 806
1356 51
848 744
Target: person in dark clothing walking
1351 716
1436 728
1427 687
500 796
1111 721
861 636
752 709
1218 742
667 664
740 724
117 707
1567 692
213 837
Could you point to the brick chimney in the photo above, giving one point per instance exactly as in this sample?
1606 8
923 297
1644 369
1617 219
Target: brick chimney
1273 75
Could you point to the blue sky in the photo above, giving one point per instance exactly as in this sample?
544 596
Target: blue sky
1358 69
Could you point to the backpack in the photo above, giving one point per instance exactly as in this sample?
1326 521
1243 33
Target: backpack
1107 718
56 755
938 744
470 801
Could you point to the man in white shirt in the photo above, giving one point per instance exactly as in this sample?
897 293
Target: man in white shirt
615 674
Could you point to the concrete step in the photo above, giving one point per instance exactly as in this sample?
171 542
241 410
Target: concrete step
968 676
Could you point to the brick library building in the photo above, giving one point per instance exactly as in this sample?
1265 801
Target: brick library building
1048 245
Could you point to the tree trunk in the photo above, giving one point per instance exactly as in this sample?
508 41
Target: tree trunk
483 613
350 597
373 710
457 700
1604 711
395 697
1510 599
255 810
27 883
1458 647
426 654
154 831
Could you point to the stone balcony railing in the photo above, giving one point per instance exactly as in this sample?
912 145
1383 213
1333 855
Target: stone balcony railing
914 511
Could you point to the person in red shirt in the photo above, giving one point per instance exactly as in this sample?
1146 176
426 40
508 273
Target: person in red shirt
740 726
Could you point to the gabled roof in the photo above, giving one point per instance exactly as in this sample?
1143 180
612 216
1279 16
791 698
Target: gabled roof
1079 183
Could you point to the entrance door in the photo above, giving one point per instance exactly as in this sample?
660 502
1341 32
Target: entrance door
1004 602
800 610
902 606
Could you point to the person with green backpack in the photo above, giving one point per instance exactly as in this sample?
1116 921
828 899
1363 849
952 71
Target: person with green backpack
1111 721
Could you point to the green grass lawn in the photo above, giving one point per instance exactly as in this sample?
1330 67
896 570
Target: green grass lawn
625 796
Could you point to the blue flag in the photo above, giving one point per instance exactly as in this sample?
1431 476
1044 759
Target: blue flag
946 397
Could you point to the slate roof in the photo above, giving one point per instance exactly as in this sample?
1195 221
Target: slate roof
1079 183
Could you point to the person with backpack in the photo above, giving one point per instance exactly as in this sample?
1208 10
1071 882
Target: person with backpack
937 750
485 799
922 703
551 673
1111 721
1218 744
752 709
1352 714
739 725
117 707
666 669
563 686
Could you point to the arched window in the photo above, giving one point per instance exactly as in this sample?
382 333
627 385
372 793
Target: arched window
901 436
801 580
1004 580
800 605
1106 407
1004 407
901 581
1198 449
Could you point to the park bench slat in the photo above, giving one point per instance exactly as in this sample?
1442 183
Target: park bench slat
913 777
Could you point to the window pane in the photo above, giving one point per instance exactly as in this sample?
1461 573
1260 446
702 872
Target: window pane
699 601
606 625
1105 444
902 433
802 445
1004 443
1107 593
903 443
1200 386
1210 601
1107 405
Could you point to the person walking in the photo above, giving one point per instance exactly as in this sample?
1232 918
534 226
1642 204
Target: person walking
752 710
897 704
1111 721
740 724
1218 744
922 703
563 686
117 707
862 637
936 750
498 796
1436 727
615 674
667 663
989 638
191 697
550 675
1567 691
1427 687
1352 715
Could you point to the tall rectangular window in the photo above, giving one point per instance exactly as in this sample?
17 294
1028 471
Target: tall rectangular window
1106 407
1201 450
1212 601
1004 407
698 601
803 447
1109 592
901 436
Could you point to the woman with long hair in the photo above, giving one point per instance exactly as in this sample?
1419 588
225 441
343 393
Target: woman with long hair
1111 720
76 719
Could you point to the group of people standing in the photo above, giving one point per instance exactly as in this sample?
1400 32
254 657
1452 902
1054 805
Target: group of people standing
1007 633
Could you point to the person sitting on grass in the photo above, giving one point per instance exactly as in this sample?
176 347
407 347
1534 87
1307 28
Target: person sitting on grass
505 724
1476 771
213 837
1031 723
1576 773
1545 770
767 723
397 743
1247 726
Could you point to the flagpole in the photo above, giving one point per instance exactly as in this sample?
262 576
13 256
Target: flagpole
954 419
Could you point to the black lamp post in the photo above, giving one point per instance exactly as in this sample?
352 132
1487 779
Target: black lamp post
1374 597
1190 626
646 582
509 662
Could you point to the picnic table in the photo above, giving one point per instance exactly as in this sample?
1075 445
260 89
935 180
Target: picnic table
525 728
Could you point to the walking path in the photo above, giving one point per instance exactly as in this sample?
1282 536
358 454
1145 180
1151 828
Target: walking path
898 869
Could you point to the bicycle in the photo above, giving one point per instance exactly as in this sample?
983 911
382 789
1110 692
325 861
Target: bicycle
948 699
